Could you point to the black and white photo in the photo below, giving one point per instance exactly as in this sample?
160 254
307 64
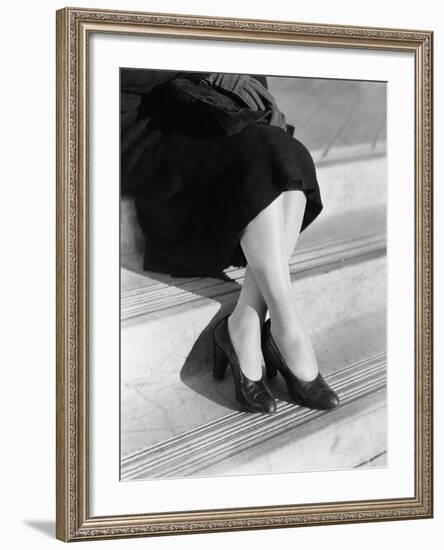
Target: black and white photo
253 280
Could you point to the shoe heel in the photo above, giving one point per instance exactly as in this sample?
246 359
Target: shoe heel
220 362
270 370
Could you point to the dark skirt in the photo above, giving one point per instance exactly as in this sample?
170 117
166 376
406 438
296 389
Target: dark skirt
194 196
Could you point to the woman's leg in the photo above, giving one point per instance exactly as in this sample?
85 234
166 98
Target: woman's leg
294 207
245 326
248 317
293 341
276 231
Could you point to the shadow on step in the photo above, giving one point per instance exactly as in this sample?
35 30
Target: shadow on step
196 371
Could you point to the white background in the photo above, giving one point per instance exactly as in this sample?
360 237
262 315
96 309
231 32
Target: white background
27 220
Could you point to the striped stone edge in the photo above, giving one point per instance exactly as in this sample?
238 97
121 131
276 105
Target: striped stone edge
214 441
157 295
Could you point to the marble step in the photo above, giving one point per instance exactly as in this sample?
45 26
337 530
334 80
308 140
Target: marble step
323 295
351 179
169 411
166 321
178 394
222 446
337 239
347 438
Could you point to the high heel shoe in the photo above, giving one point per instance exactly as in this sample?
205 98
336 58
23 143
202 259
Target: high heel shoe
251 394
314 394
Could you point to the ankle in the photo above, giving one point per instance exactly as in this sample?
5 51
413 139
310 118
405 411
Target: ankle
286 327
245 336
295 347
246 320
288 339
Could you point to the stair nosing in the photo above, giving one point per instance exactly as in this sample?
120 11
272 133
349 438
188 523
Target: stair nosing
193 466
255 422
247 441
377 358
247 433
159 296
136 464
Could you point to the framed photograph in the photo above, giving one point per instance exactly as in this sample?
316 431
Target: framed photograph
244 274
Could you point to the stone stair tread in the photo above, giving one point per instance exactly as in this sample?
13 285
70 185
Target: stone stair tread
233 435
336 237
167 404
348 437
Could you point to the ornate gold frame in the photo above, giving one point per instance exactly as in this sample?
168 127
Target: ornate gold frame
73 519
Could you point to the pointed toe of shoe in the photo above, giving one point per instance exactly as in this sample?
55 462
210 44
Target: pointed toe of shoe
271 407
329 400
268 405
335 402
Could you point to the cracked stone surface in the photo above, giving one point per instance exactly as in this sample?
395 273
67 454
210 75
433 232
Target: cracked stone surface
177 394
